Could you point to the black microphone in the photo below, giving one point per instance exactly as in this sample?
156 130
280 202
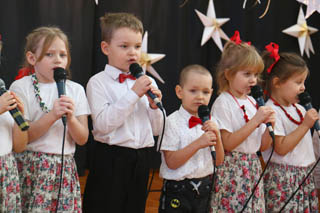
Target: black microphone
204 115
137 72
16 114
305 101
257 94
60 76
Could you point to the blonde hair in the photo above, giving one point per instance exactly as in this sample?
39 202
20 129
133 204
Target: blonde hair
194 68
288 65
110 22
49 34
236 57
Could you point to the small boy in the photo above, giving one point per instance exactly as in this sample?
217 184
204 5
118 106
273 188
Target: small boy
187 165
124 121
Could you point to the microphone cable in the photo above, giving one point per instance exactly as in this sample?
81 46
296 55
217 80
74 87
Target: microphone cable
262 174
213 154
158 148
303 181
61 167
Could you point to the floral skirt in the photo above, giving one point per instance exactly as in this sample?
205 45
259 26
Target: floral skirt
40 179
9 185
236 178
281 181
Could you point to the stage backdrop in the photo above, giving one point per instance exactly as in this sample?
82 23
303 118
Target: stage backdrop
174 29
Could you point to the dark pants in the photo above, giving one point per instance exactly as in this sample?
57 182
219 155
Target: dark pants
186 196
117 181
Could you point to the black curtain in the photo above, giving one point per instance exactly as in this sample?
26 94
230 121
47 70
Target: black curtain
174 29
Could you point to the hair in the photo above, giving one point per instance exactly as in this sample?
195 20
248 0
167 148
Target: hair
194 68
49 34
236 57
288 65
110 22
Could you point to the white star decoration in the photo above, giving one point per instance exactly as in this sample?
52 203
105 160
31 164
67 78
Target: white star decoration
212 26
97 2
302 31
149 58
312 6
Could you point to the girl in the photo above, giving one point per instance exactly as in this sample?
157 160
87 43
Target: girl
241 130
284 77
40 165
11 138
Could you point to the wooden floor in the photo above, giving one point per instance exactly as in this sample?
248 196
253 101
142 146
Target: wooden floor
153 198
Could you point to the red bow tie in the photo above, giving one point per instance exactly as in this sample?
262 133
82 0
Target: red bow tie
193 121
123 77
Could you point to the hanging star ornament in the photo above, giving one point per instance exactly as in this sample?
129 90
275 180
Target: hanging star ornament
147 59
312 6
302 31
212 26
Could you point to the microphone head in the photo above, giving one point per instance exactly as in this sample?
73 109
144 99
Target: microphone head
135 70
256 92
203 112
304 98
59 74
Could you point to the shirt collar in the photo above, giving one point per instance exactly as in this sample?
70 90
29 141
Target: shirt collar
113 72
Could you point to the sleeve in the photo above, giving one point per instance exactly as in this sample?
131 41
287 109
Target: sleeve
170 140
222 116
108 116
82 105
21 91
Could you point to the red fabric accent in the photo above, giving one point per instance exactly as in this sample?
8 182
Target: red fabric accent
24 71
123 77
236 38
273 49
193 121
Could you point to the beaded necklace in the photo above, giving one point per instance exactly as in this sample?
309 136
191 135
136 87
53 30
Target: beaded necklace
36 90
287 114
245 116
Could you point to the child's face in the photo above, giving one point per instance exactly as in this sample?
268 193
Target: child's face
240 84
123 49
196 91
289 90
55 56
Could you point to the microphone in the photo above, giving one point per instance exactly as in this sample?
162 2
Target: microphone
137 72
257 94
60 76
204 115
305 101
16 114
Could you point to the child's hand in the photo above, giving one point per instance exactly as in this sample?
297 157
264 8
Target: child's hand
158 93
310 117
19 103
208 138
142 85
264 114
7 102
210 126
63 105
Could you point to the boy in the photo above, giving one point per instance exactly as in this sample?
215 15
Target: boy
187 164
124 121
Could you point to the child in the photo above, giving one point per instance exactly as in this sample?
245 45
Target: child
11 138
293 156
241 129
316 173
124 121
187 165
40 165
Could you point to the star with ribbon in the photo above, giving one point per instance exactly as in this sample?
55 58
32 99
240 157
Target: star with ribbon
212 26
147 59
302 31
312 6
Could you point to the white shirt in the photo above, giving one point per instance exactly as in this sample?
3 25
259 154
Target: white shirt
6 126
120 117
302 154
177 136
229 117
51 141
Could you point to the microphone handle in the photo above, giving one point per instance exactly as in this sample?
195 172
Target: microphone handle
62 91
155 99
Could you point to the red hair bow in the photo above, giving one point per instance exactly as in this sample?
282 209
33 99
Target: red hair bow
236 38
24 71
273 49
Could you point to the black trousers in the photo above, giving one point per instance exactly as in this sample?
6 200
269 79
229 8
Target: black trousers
186 196
117 181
